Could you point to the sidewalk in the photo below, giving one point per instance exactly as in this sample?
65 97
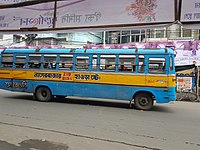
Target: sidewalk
188 97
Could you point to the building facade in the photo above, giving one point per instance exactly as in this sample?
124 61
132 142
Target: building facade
174 32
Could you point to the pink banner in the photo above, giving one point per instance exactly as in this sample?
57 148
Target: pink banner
187 52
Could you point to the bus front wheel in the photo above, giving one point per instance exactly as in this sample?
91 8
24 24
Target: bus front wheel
43 94
143 101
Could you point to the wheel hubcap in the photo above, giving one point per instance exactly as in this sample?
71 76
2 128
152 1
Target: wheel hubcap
143 101
44 93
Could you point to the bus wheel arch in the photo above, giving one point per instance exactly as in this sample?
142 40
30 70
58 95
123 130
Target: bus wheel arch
43 93
143 100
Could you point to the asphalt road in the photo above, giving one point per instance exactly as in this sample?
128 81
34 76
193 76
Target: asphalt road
82 124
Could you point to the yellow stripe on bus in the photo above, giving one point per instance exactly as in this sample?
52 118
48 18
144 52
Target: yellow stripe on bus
87 77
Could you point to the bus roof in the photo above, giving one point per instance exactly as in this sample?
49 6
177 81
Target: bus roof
92 51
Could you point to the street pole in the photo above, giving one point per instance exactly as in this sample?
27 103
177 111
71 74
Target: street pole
197 83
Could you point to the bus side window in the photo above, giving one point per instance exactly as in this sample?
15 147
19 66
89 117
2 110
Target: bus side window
7 60
34 65
48 66
126 63
20 62
66 62
82 63
34 61
49 61
141 64
107 63
94 63
157 65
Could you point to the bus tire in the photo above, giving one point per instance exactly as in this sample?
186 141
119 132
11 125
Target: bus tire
43 94
143 101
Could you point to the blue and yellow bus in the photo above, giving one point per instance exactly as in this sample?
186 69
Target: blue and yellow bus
139 75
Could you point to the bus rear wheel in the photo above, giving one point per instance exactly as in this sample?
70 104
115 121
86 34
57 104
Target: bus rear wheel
43 94
143 101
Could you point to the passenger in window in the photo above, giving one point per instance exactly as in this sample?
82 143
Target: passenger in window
163 68
107 66
63 65
110 67
54 66
19 66
46 65
38 65
49 65
121 68
30 65
24 66
133 68
141 68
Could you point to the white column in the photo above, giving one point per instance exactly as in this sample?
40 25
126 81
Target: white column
104 39
154 34
165 32
140 36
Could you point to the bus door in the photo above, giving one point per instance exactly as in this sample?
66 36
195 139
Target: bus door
20 74
6 71
7 67
157 68
81 69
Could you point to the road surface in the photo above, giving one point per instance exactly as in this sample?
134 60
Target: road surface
85 124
